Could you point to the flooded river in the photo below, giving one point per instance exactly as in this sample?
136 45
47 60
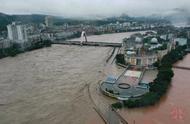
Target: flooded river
59 85
50 86
174 108
115 37
56 85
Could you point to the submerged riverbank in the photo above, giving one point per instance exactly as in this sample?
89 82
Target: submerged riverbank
16 48
162 82
173 108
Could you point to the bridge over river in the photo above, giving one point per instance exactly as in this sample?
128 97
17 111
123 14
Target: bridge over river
105 40
89 43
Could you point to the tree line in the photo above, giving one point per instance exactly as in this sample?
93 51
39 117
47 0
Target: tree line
16 48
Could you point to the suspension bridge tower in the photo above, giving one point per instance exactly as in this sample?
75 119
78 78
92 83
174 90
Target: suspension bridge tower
83 37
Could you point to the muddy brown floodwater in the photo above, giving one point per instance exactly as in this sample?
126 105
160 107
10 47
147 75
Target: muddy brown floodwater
51 85
174 108
57 85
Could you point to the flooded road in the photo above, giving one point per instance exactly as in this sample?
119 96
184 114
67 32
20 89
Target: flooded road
174 108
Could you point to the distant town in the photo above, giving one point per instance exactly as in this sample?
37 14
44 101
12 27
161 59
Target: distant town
26 34
31 35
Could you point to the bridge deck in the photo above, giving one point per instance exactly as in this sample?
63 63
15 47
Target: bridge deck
89 43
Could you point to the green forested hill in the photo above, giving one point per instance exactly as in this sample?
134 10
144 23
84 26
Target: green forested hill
7 19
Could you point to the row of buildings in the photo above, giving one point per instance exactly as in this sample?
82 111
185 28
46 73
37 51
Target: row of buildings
145 50
17 32
28 33
23 35
65 30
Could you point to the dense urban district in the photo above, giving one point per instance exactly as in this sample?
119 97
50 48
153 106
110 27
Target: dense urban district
129 66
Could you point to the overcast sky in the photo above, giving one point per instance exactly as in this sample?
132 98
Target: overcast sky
77 8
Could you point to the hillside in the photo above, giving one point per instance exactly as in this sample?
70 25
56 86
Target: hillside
7 19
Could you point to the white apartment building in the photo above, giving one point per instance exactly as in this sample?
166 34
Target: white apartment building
17 33
48 21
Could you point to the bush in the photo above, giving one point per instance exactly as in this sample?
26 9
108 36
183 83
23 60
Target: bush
130 103
120 58
117 105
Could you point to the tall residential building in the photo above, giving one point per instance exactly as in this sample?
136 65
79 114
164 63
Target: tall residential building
17 33
12 31
48 21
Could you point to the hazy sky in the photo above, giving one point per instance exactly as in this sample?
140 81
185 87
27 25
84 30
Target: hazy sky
77 8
